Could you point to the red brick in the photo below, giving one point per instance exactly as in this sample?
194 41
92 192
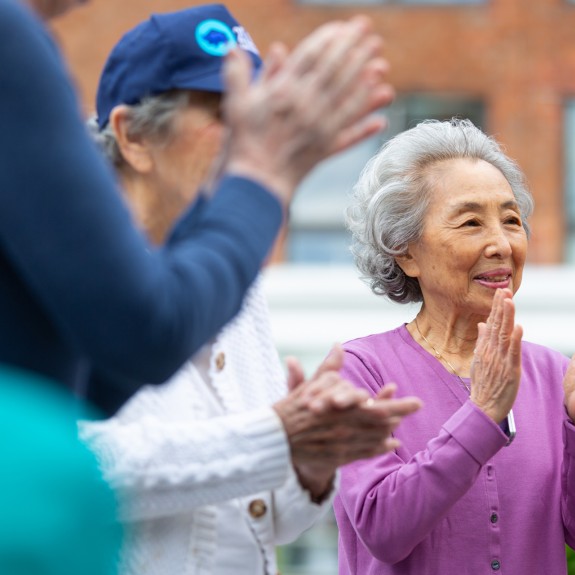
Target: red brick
518 55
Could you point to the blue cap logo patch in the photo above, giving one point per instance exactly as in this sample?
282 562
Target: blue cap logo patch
215 37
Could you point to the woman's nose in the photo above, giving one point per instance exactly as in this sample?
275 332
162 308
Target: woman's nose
498 244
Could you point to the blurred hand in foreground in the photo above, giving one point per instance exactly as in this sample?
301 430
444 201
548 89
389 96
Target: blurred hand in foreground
329 422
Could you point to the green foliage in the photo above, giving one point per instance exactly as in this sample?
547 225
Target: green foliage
570 561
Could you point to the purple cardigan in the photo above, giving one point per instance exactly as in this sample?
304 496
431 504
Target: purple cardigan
452 500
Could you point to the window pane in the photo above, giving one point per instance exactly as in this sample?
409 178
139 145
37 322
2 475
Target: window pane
317 217
320 246
413 108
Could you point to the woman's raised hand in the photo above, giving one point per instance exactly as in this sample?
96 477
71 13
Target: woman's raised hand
496 367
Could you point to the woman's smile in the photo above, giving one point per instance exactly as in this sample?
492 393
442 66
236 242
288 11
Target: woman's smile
493 279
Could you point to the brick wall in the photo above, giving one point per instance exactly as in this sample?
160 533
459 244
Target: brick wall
517 55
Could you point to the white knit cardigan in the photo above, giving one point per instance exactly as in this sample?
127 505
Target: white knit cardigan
171 463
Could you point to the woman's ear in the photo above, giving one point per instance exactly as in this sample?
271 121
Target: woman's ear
408 263
135 150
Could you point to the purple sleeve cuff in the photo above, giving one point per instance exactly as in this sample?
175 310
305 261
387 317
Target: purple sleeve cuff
479 435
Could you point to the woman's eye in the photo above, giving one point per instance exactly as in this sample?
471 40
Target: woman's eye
514 220
471 223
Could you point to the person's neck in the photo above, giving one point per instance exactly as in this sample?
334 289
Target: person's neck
150 209
451 338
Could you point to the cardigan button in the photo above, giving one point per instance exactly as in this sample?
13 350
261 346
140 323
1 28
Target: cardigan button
495 565
220 361
257 508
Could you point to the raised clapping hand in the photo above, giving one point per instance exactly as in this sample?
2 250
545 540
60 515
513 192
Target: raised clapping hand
329 422
305 106
496 367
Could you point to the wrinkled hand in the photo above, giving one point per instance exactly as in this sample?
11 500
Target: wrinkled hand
329 422
304 106
296 376
496 367
569 388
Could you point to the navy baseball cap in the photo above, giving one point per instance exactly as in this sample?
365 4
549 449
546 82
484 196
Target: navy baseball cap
177 50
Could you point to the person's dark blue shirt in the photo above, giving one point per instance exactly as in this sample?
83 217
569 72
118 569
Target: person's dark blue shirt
79 285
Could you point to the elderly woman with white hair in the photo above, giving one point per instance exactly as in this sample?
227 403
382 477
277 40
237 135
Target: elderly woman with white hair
439 216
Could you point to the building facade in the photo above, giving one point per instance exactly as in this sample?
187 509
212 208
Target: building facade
507 64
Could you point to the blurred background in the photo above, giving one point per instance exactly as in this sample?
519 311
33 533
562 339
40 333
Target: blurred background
508 65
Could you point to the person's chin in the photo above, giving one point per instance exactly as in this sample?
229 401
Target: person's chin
55 9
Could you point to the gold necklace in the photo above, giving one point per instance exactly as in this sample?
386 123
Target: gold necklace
438 355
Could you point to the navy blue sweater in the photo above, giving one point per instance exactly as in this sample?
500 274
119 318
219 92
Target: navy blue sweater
79 285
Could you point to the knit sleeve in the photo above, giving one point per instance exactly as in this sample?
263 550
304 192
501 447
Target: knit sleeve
294 512
160 468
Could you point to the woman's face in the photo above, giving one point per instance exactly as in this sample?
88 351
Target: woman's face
181 165
473 239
